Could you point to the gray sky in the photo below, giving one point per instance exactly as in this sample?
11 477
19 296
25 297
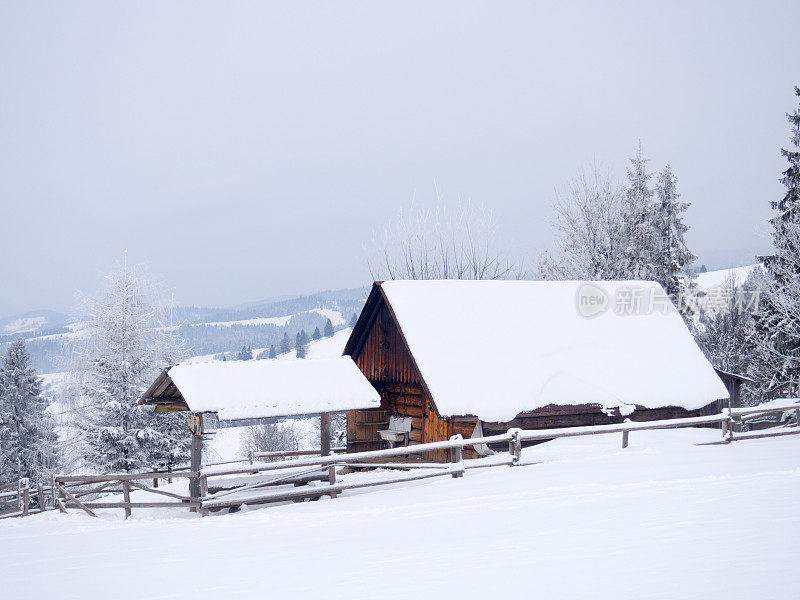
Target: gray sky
249 149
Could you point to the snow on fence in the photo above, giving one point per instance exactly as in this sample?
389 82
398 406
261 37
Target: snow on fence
303 467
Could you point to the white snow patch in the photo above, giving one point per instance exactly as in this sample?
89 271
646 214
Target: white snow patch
722 277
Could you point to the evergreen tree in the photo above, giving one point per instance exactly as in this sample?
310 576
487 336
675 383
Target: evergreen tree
673 258
328 328
123 351
316 335
353 320
778 319
272 353
301 344
27 438
637 221
246 353
286 345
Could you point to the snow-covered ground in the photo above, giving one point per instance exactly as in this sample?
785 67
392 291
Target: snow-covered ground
661 519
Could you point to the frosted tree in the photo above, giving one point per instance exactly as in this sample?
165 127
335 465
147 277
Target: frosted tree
637 224
301 343
779 315
353 320
316 335
328 328
442 244
125 346
272 353
286 344
673 258
590 239
27 437
246 353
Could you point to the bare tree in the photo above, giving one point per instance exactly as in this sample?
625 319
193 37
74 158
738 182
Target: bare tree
441 244
589 229
269 437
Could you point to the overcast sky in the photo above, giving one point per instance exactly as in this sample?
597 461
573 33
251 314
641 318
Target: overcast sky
246 150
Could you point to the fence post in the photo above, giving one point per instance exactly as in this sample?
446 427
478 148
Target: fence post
26 496
727 427
515 446
203 494
40 493
456 453
126 496
625 434
332 479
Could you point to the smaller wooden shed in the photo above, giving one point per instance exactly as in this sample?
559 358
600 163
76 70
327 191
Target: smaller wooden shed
234 390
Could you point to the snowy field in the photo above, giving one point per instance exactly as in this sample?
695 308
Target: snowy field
662 519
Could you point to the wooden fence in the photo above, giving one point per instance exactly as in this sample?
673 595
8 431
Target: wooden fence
220 487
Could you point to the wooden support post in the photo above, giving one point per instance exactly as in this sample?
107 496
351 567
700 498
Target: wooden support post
797 417
197 455
126 496
625 439
325 434
155 482
40 494
53 490
332 479
26 497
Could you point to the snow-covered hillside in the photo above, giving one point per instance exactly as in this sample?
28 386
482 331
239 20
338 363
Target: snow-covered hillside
714 279
661 519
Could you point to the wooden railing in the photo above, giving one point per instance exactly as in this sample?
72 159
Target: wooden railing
306 466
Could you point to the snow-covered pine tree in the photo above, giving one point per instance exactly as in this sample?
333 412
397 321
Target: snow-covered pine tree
328 328
27 438
637 220
124 348
673 258
286 344
301 344
246 353
272 353
779 315
316 335
353 320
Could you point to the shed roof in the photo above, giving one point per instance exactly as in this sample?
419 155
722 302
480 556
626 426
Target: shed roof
264 388
495 349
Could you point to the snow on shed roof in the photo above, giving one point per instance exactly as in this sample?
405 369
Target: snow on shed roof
271 388
494 349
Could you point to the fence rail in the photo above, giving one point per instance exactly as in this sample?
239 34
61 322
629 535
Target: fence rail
306 467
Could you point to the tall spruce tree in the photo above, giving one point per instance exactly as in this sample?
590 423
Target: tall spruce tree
673 258
778 319
637 220
301 344
272 353
316 335
124 349
286 344
353 320
328 328
27 437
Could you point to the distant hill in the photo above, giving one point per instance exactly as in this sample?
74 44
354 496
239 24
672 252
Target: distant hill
51 337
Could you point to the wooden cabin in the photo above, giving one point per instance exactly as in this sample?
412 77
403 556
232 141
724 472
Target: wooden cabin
479 357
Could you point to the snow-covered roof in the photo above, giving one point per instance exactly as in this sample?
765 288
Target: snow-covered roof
270 388
494 349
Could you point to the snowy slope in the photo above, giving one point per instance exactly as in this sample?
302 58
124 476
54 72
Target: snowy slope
722 277
662 519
